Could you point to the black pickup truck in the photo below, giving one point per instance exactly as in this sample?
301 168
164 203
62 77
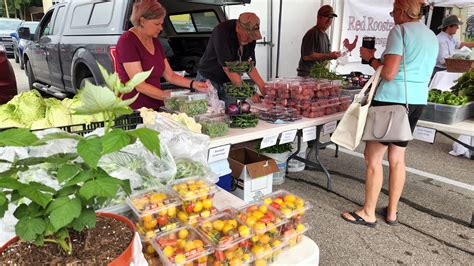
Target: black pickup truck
73 36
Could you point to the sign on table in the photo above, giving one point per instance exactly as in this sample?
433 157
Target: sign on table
309 133
218 153
328 128
269 141
288 136
424 134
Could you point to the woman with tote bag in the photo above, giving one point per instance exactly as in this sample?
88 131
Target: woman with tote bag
408 62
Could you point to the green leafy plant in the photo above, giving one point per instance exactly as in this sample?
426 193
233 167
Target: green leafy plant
49 214
320 70
281 148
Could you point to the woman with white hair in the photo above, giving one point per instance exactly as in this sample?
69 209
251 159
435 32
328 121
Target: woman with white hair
421 48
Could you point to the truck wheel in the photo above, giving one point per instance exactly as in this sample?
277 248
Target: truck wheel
22 64
29 74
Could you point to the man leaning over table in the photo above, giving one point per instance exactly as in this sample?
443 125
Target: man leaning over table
447 43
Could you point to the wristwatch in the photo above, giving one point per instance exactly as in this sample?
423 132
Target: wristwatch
371 60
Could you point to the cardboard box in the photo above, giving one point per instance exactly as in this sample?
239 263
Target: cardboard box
253 173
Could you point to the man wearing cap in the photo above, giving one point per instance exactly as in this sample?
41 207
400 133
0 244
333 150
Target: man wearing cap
231 40
316 45
447 43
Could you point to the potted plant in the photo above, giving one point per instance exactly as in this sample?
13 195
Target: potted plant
59 225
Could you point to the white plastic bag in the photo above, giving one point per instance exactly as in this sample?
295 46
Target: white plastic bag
458 149
215 105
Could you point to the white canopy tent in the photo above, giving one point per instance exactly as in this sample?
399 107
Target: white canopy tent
452 3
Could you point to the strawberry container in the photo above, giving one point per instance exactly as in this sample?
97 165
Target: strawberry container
229 237
331 109
155 210
182 246
196 195
269 100
333 100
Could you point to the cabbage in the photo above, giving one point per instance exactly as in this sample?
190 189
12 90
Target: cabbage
58 115
29 107
8 117
41 124
77 119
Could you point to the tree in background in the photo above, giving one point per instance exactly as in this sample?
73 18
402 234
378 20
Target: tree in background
18 8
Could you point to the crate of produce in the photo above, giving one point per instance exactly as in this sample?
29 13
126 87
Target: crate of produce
192 103
230 239
450 114
155 210
214 125
182 246
459 65
196 195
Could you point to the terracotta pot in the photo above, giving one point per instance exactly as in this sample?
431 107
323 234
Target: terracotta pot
127 255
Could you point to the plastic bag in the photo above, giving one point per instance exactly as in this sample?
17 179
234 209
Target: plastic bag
54 146
458 149
215 105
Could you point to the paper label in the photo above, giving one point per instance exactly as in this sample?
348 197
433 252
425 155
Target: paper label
424 134
288 136
218 153
269 141
309 133
328 128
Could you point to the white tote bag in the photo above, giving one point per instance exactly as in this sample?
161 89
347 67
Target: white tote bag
348 133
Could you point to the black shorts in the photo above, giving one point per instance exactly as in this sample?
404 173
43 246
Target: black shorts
414 114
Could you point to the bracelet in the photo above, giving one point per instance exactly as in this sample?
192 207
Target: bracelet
191 84
371 60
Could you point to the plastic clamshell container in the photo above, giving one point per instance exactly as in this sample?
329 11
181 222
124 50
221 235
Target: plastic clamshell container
155 209
174 249
260 217
428 112
286 202
268 253
295 235
214 125
229 237
196 195
177 92
192 103
172 102
451 114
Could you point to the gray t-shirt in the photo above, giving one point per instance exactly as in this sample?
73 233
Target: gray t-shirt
313 41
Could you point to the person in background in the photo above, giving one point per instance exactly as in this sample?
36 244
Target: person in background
139 49
447 43
316 45
231 40
420 57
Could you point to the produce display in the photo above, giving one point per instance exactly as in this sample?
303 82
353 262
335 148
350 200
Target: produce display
244 120
156 211
240 66
245 90
446 97
214 125
29 110
465 85
278 114
320 70
310 97
190 103
260 217
184 120
197 199
187 168
182 246
230 238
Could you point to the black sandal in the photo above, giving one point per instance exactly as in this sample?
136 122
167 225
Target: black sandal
358 220
389 222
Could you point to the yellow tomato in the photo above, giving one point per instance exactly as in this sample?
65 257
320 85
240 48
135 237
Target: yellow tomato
259 226
218 225
265 239
276 243
163 212
147 218
291 205
181 243
244 230
172 212
197 207
299 202
263 208
300 227
183 216
261 262
233 223
250 221
205 214
227 227
198 243
183 233
257 215
207 203
180 258
229 255
207 226
290 198
168 251
189 246
150 249
267 201
258 250
254 238
150 224
279 201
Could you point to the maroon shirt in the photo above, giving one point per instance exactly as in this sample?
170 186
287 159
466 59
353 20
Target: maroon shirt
130 49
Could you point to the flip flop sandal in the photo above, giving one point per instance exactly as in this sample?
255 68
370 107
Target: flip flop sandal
358 220
387 221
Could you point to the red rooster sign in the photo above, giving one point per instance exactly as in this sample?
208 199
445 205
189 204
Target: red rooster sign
350 46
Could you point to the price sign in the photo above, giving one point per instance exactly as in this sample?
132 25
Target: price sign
288 136
218 153
424 134
328 128
269 141
309 133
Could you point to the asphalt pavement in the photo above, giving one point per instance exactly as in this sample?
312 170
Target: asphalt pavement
435 211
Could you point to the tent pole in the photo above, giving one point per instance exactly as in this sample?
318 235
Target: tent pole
279 40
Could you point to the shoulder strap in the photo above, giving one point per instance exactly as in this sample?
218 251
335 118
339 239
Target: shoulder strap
404 67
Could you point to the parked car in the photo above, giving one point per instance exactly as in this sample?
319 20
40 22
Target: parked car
19 44
7 77
7 27
74 36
